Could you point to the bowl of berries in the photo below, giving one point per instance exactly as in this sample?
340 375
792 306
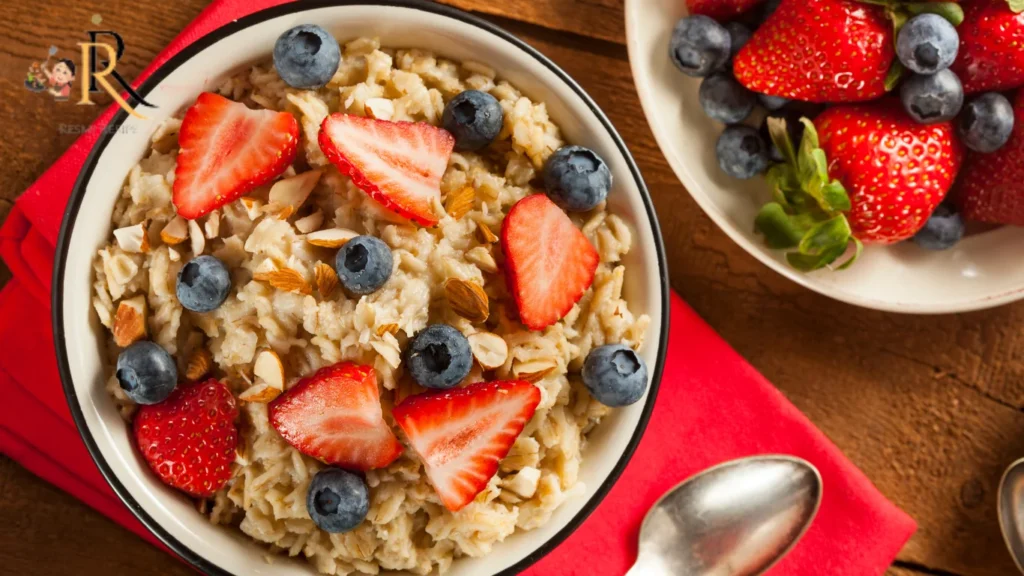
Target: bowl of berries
371 290
871 151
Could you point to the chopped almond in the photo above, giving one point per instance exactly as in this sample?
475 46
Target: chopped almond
292 192
212 226
467 299
310 223
269 369
130 321
489 349
198 364
379 108
175 231
534 370
253 207
485 233
331 237
197 238
133 238
326 279
481 256
458 203
260 393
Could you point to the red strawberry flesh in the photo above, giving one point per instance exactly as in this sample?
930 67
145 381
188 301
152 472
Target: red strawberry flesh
226 150
189 439
991 187
549 263
398 164
721 10
991 53
335 416
462 434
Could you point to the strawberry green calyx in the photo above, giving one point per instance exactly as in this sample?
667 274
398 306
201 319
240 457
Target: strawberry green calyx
806 215
1016 6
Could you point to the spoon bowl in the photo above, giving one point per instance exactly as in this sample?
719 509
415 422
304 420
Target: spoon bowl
1011 511
735 519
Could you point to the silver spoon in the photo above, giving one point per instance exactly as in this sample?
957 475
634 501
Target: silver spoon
1011 511
736 519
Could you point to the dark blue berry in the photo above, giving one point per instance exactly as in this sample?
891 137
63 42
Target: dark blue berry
942 230
338 500
699 46
772 103
615 375
724 99
927 44
439 357
474 118
739 35
306 56
742 153
986 123
203 284
146 372
934 98
577 179
363 265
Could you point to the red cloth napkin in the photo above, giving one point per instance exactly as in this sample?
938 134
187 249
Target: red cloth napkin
712 407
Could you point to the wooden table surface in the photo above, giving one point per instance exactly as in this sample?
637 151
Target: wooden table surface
930 408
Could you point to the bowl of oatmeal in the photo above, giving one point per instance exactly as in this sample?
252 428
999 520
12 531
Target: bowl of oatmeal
373 289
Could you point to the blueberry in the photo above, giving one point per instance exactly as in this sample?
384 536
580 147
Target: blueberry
933 98
927 43
439 357
942 230
742 153
699 46
203 284
338 500
772 103
474 118
577 179
615 375
724 99
306 56
987 123
739 35
146 372
363 265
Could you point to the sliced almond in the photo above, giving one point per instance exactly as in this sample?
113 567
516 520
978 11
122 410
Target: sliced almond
285 279
253 207
268 368
175 231
467 299
310 223
389 351
212 226
133 238
489 349
387 329
198 364
130 321
331 237
481 256
485 233
292 192
379 108
173 254
260 393
326 279
197 238
534 370
460 202
279 211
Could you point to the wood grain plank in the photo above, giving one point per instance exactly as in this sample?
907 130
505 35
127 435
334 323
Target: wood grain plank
601 19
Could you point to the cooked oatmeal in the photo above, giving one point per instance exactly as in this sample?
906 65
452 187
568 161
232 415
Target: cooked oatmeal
310 322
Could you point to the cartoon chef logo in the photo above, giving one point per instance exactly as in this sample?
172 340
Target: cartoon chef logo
52 76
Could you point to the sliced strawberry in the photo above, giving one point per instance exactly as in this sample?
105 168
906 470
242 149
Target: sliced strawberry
549 263
189 439
462 434
227 150
399 164
335 417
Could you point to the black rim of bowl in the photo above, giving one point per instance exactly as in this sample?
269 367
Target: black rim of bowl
78 194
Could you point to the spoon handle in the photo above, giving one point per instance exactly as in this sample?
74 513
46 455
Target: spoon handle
648 566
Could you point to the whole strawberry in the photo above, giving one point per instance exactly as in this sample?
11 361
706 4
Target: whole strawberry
819 51
991 188
864 173
189 439
991 53
895 170
721 10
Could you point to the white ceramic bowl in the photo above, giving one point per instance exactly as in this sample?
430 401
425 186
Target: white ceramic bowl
982 271
412 23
